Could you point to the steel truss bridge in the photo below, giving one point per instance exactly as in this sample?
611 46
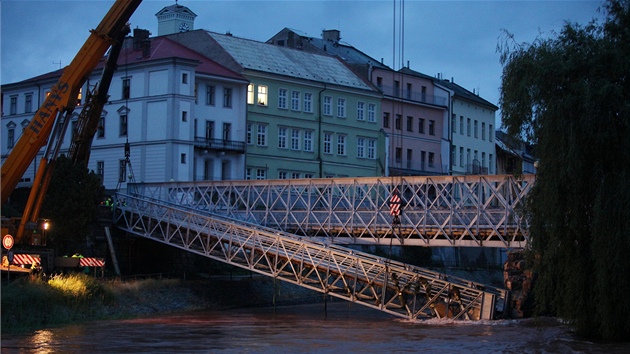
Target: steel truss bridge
288 229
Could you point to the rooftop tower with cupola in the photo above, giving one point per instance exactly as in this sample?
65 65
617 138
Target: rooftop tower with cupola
174 19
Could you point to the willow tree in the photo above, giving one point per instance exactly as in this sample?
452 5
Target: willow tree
570 96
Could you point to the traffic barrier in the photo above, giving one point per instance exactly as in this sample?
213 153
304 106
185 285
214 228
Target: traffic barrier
25 259
91 262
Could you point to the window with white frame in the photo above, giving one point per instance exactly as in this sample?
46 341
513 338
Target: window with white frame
360 110
295 139
10 137
261 173
262 135
360 147
295 100
248 173
122 170
28 102
282 98
295 175
248 134
262 95
328 143
341 145
282 137
227 97
100 130
327 109
308 102
371 150
282 174
371 116
210 95
13 105
123 125
250 94
308 140
341 107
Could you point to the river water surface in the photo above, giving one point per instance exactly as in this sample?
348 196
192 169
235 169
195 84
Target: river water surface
341 328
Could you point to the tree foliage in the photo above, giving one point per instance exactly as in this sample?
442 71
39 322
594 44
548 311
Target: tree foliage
71 203
570 96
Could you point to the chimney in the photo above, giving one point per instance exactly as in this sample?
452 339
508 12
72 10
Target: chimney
331 35
139 36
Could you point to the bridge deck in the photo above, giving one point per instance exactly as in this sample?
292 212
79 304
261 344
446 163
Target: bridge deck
396 288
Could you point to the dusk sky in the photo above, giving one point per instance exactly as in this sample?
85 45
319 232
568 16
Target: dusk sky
455 38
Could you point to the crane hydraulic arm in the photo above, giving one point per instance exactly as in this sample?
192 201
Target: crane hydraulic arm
63 95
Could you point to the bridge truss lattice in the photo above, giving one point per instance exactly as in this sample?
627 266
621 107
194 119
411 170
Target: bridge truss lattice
468 211
396 288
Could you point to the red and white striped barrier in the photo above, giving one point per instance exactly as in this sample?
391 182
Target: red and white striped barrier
25 259
91 262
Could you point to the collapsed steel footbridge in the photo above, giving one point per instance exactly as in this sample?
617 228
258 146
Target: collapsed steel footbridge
292 229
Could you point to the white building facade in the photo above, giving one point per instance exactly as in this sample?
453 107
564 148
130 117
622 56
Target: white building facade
181 115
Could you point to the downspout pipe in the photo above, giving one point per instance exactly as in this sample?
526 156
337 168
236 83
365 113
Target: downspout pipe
319 133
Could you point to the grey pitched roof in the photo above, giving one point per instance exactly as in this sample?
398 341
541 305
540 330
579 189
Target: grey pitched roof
273 59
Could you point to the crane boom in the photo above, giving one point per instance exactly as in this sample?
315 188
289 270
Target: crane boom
63 94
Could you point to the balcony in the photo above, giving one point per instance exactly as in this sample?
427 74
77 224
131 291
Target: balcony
413 96
220 145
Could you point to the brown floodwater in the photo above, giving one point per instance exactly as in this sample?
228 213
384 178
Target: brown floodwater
341 328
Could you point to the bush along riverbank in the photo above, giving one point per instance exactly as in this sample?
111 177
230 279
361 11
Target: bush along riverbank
30 304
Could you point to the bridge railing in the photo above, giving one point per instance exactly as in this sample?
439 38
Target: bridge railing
435 210
393 287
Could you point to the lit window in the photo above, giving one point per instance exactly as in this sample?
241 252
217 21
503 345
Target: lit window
262 95
250 94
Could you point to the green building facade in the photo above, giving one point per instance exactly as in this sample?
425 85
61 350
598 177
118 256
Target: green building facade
308 115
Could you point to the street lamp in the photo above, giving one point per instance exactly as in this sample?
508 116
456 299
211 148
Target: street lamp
46 225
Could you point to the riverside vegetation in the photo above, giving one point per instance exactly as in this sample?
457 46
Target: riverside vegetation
34 303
